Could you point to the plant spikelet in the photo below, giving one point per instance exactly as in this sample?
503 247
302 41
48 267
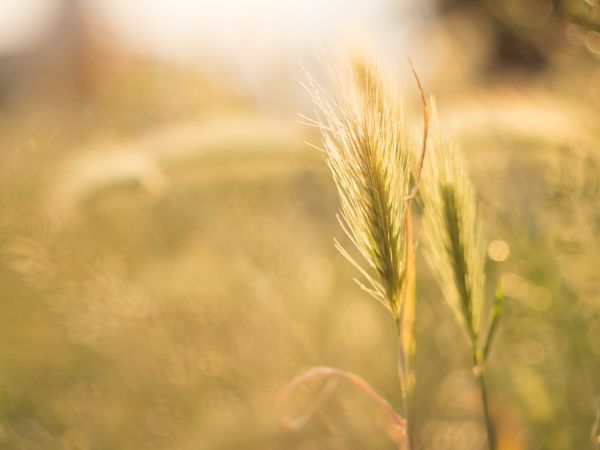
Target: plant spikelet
452 229
366 151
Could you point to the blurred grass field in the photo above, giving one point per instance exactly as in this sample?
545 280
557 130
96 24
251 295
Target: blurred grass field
167 265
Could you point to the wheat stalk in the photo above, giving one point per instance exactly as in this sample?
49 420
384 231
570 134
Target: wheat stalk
456 253
456 250
366 150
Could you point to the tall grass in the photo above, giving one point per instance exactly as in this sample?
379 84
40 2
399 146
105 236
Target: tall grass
367 150
456 254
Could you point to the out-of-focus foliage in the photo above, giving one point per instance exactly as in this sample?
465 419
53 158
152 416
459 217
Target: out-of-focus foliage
166 261
531 33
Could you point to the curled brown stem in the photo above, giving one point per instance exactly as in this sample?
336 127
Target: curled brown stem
425 106
332 377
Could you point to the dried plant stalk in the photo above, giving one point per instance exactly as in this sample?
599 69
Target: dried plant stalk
331 376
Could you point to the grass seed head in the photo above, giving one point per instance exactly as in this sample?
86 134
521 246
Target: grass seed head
456 251
366 151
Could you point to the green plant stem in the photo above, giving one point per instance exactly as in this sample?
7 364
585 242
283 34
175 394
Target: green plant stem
407 388
490 429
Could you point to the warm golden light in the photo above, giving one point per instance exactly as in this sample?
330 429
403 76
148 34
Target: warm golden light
172 271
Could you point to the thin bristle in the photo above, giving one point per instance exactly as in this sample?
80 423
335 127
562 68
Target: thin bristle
367 155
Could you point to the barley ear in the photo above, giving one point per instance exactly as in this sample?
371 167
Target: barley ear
455 250
456 254
366 151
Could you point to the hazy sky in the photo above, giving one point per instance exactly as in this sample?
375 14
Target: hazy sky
251 39
182 28
22 22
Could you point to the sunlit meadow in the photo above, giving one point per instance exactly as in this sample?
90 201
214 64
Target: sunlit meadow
167 255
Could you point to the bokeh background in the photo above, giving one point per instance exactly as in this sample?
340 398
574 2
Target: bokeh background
166 254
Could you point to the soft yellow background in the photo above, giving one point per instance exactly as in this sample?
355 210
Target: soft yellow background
166 252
